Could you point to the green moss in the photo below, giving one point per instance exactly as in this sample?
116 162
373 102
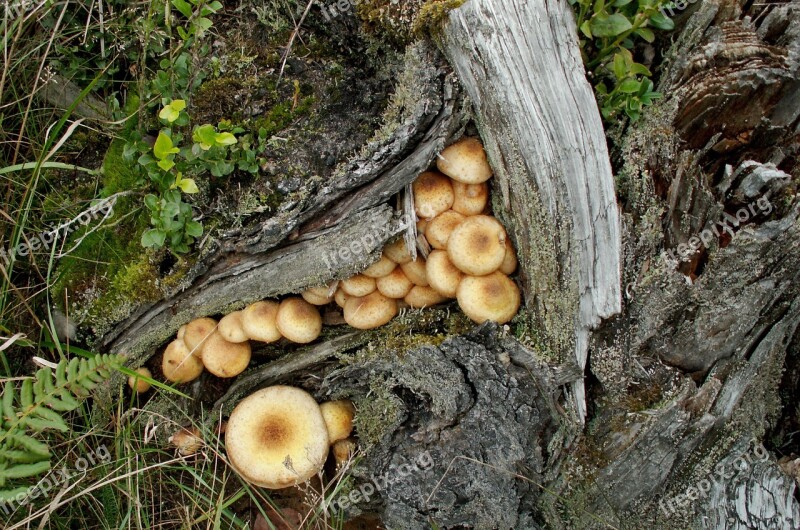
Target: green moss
401 22
379 412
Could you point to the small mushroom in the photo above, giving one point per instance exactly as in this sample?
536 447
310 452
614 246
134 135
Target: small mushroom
340 297
188 441
443 276
470 199
439 229
433 194
492 297
319 295
259 321
358 285
395 284
343 450
369 312
415 271
178 363
380 268
299 321
226 359
338 416
478 245
138 385
230 327
420 297
509 264
465 161
397 251
277 437
181 332
196 332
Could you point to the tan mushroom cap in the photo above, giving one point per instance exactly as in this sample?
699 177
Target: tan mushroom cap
196 333
415 271
187 440
338 416
465 161
322 295
492 297
439 229
420 297
277 437
443 276
137 384
181 332
358 285
394 285
509 264
230 327
369 312
478 245
422 224
343 450
433 194
299 321
226 359
470 199
259 321
178 363
397 251
380 268
340 297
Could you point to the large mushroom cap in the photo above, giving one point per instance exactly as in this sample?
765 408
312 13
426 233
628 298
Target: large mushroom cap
380 268
179 365
230 327
433 194
478 245
395 284
439 229
299 321
277 437
369 312
470 199
443 276
415 271
358 285
492 297
196 333
225 359
322 295
465 161
258 321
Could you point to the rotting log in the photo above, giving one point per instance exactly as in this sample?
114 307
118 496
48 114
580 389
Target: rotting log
683 379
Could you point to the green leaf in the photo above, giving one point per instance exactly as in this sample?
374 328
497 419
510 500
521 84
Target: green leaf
25 470
194 229
10 495
661 21
205 136
166 164
184 7
188 186
150 201
620 68
586 29
163 146
610 26
640 69
629 86
154 238
225 138
620 3
646 34
203 24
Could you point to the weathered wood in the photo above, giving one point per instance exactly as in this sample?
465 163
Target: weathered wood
520 65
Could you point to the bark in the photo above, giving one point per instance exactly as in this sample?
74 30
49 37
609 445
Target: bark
683 380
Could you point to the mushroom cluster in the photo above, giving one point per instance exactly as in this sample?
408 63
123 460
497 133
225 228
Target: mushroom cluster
279 436
469 254
223 348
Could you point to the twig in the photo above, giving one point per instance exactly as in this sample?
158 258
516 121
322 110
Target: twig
288 49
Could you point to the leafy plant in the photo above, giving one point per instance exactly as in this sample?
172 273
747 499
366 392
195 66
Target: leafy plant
36 406
611 30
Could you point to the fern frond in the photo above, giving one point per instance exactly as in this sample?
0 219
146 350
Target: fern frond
37 407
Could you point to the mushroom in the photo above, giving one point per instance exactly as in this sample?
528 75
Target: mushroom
470 199
478 245
226 359
465 161
492 297
433 194
340 297
343 450
369 312
299 321
442 275
358 285
509 264
415 271
322 295
179 365
181 332
196 332
395 284
258 321
230 327
397 251
138 385
380 268
439 229
338 416
277 438
187 440
420 297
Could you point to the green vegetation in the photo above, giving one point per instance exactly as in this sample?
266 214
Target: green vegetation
610 32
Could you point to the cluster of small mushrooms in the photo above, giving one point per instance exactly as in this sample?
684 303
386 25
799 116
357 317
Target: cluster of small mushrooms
468 256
